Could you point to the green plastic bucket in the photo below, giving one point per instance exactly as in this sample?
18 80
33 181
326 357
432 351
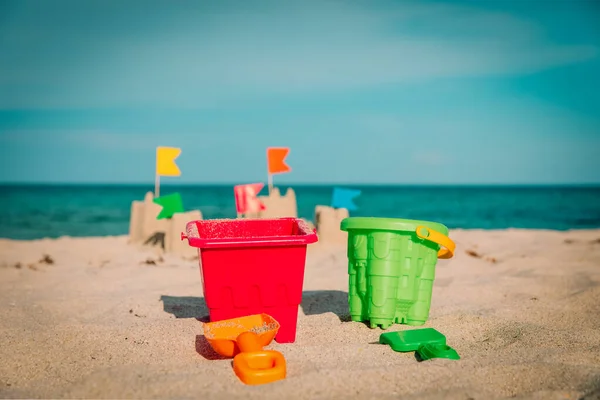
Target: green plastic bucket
391 267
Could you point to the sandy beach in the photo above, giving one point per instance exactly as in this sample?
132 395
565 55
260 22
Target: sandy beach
98 318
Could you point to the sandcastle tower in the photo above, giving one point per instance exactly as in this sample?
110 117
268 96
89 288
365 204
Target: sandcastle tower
145 229
327 222
277 206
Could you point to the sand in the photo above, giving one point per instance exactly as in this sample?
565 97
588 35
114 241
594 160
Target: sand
95 320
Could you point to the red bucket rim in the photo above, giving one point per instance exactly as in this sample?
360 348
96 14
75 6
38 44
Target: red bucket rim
304 237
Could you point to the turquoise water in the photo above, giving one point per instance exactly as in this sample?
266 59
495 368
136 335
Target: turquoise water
37 211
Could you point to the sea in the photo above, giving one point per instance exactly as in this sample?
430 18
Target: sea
49 211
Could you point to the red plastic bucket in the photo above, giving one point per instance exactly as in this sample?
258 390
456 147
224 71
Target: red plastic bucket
253 266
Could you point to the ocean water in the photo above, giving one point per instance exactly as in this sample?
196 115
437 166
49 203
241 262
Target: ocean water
38 211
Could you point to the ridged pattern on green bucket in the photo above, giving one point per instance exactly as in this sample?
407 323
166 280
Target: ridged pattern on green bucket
391 277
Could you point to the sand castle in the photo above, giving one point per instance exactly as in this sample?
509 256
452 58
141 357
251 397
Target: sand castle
327 222
327 219
277 206
145 229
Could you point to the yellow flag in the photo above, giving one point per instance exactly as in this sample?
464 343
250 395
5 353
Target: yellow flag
165 161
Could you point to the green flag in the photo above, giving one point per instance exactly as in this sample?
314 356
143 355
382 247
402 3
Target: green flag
170 203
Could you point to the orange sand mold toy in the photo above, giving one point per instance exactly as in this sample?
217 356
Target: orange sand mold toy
243 339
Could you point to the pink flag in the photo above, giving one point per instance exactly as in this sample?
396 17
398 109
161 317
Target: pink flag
245 198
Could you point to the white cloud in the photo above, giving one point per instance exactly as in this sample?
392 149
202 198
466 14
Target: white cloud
192 58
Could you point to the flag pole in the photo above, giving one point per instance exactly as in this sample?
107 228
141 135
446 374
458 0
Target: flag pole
270 181
157 186
269 175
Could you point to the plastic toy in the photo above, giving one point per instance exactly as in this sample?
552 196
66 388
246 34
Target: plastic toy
427 342
244 339
253 266
411 340
428 351
392 267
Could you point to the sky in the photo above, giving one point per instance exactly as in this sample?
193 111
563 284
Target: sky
370 91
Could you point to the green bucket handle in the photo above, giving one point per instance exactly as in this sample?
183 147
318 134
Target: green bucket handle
446 244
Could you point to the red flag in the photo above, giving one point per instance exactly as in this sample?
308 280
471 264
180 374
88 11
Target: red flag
245 198
276 160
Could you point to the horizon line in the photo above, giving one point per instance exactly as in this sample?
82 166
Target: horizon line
314 184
